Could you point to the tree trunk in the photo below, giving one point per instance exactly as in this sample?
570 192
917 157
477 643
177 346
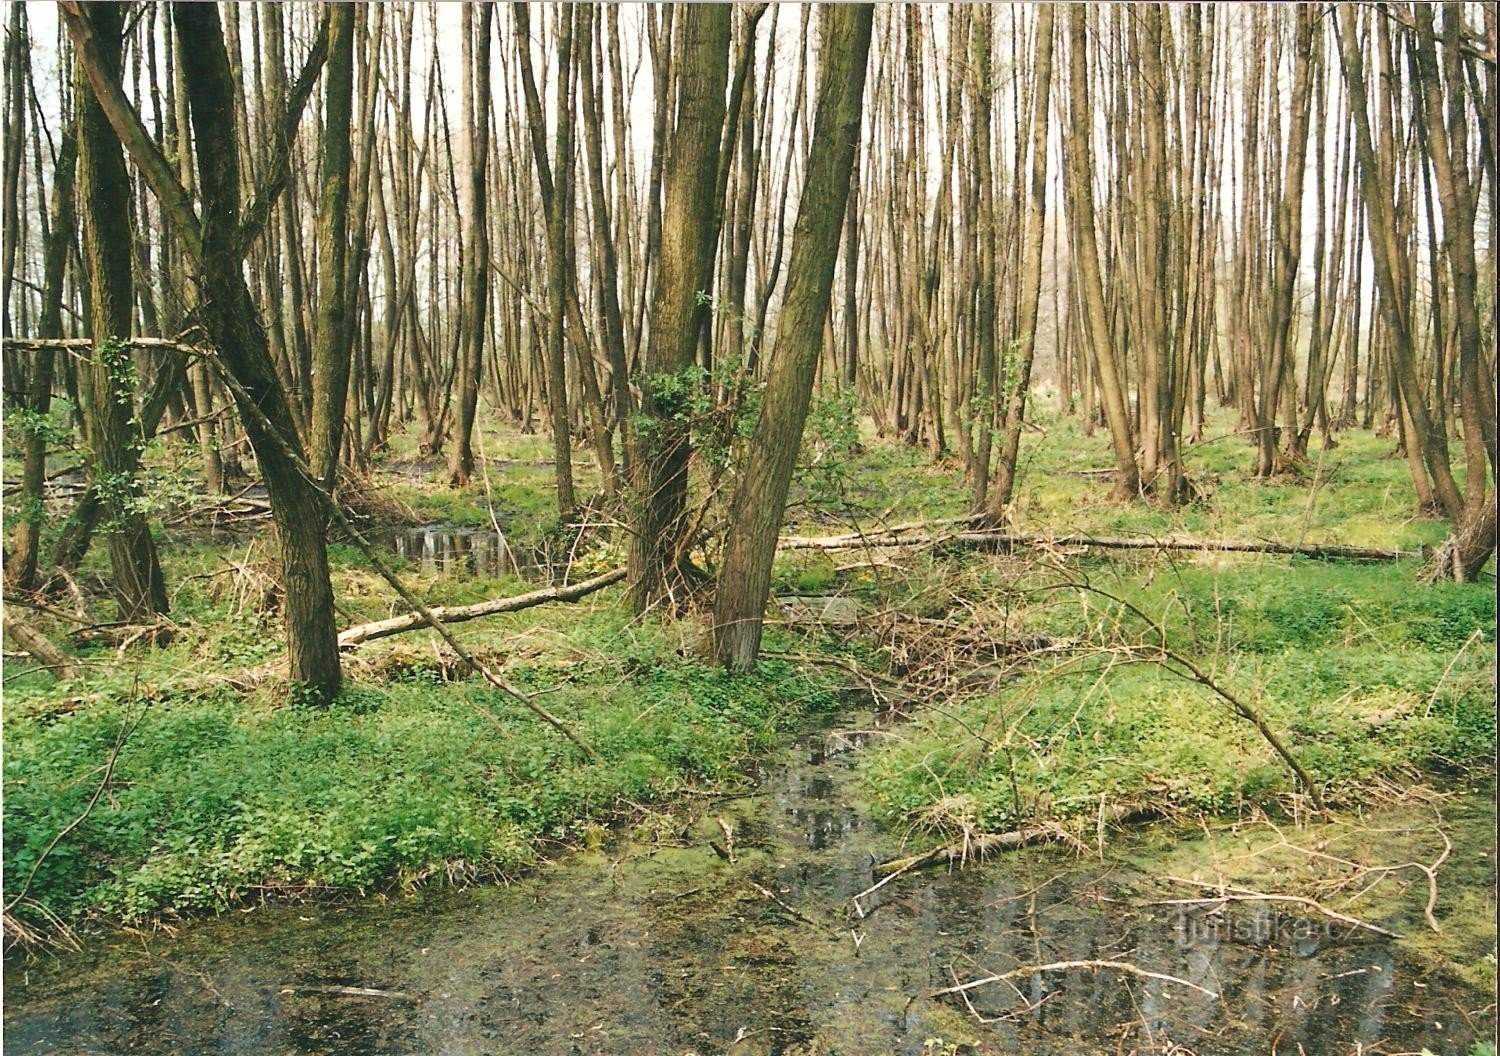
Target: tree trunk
1080 201
331 336
684 269
1031 274
476 104
755 513
109 384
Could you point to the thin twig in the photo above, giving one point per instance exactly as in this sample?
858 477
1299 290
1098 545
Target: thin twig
1229 893
1033 969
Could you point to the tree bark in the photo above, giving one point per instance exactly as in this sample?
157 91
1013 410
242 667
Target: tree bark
684 270
111 430
760 498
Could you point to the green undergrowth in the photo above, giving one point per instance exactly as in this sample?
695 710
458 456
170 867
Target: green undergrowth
1355 494
1371 683
215 797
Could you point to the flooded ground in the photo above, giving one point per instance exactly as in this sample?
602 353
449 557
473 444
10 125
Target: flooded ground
452 551
668 946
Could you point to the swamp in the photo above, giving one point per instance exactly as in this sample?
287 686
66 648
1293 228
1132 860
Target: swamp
794 529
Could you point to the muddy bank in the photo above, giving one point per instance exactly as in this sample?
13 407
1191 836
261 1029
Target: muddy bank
662 943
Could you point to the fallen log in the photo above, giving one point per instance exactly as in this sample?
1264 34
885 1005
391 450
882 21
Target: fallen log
961 851
42 648
1007 540
367 632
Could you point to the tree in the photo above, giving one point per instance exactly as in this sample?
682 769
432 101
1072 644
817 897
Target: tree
760 497
1031 274
110 424
476 265
215 247
684 271
1078 166
331 336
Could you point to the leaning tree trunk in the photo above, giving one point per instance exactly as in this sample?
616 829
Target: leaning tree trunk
231 319
755 514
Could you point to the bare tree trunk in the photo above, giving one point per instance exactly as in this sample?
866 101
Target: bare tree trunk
755 514
331 336
1031 274
476 103
1080 200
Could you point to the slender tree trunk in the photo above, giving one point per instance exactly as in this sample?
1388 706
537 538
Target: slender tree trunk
760 499
1031 274
331 335
1080 200
476 109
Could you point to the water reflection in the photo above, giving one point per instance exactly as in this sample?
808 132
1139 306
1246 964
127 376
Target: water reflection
669 949
449 551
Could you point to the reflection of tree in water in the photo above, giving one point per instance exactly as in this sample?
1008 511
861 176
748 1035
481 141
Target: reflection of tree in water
452 551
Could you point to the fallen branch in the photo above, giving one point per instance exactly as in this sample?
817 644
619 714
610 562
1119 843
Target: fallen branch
1033 969
988 844
347 991
1227 893
412 621
1008 540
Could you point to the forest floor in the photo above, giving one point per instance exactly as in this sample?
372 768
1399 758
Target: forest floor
1036 688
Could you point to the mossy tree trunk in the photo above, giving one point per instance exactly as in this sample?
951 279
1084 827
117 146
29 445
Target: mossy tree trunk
684 270
111 426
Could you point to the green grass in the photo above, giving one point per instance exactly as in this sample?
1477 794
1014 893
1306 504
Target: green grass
214 797
1366 678
1355 494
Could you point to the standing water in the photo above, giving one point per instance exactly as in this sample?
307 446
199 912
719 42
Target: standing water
478 553
743 942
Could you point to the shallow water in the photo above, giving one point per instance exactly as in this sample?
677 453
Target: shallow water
674 950
444 549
